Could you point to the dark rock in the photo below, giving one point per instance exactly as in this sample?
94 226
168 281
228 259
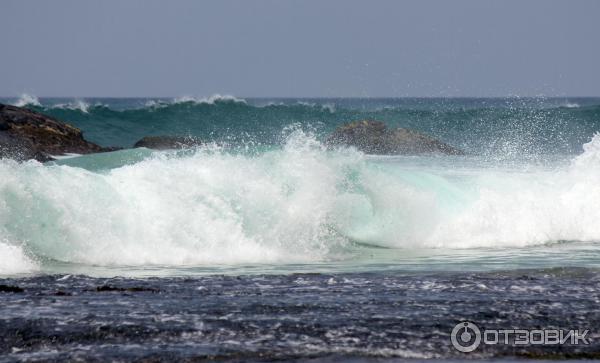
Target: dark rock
4 125
20 149
373 137
107 149
10 288
26 134
168 142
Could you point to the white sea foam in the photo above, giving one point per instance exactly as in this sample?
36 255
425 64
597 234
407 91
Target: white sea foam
528 208
209 208
209 100
329 107
27 100
31 100
301 203
75 105
13 260
325 107
155 104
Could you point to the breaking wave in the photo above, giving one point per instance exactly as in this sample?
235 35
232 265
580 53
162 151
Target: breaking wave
27 100
297 203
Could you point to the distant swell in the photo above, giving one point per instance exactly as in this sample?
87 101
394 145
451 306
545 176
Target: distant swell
498 131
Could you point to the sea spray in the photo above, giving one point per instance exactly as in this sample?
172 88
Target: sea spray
14 260
27 100
207 208
299 203
522 208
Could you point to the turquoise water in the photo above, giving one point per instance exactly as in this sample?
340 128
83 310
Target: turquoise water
496 127
264 195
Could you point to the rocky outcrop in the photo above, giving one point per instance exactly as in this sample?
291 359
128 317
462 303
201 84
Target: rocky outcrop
168 142
26 134
374 137
12 147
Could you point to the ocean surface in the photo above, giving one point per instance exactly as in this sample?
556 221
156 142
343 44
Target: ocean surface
264 244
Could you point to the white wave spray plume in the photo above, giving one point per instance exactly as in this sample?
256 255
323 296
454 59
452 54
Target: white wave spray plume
26 100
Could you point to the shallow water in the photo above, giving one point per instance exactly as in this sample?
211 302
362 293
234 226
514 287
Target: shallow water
363 316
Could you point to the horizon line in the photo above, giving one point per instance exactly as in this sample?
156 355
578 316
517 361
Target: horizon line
308 97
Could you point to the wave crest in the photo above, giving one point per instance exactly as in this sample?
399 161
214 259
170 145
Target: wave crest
27 100
297 203
211 100
75 105
221 209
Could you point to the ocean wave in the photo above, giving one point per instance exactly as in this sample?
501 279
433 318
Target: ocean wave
328 106
75 105
300 203
225 99
211 100
211 215
27 100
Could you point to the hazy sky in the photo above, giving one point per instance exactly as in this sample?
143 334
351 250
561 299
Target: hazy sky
300 48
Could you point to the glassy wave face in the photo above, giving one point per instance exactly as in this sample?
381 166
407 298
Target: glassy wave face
264 192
